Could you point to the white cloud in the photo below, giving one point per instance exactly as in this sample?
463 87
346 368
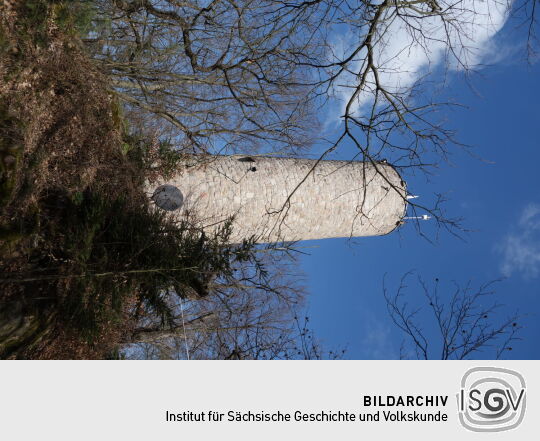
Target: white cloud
377 341
407 51
521 247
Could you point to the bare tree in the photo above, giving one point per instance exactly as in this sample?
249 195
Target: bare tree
247 76
467 321
257 312
221 73
526 13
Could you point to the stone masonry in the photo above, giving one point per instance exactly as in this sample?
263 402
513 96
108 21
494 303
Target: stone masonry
278 199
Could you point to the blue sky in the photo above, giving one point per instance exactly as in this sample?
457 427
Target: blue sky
499 198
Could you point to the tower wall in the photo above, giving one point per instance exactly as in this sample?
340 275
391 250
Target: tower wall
338 198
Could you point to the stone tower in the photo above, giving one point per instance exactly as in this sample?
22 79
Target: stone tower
278 199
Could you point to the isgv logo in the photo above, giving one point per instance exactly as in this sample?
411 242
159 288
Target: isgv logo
491 399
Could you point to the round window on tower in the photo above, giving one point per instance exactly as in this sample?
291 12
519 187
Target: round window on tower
168 197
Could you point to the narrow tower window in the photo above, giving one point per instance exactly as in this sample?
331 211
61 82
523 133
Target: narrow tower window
246 159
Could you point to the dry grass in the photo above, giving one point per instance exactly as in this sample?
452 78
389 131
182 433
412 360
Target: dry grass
81 251
60 131
70 138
